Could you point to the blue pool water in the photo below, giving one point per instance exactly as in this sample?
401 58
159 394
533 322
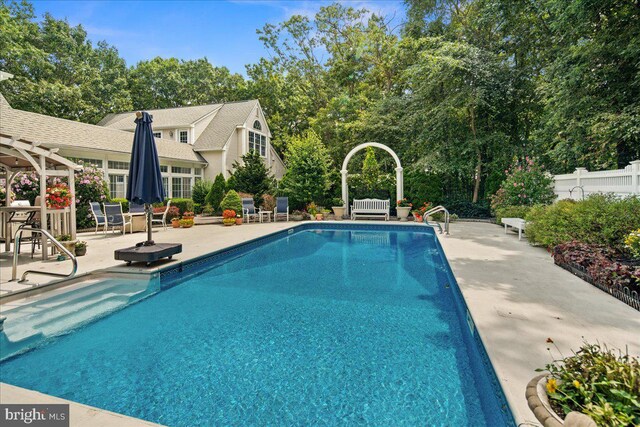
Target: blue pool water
319 327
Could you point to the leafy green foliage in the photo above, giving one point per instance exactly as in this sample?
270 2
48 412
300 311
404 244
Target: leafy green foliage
252 176
216 192
231 201
599 219
307 176
90 187
599 382
183 205
370 170
200 190
526 184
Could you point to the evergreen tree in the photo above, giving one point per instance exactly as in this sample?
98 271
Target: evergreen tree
216 193
252 176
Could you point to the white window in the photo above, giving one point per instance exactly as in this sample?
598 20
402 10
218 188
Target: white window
118 165
164 168
181 187
165 185
179 169
183 136
117 186
157 134
258 143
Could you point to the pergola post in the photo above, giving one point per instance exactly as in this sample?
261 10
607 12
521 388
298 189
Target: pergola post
72 213
399 183
43 204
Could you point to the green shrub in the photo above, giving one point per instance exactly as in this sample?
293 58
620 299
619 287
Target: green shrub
421 186
598 382
468 209
216 192
526 184
197 208
200 190
511 212
252 176
184 205
598 219
231 184
123 202
90 187
307 175
232 201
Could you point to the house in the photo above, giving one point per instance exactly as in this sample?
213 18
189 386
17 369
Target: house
220 133
193 142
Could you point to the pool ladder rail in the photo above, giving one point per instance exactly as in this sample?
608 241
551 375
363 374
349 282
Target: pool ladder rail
437 209
57 244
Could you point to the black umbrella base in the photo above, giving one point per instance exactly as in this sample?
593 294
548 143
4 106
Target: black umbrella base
148 254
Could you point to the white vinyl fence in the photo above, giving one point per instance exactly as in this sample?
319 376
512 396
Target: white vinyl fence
581 183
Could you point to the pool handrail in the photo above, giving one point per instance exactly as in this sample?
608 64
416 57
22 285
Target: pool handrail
431 211
56 243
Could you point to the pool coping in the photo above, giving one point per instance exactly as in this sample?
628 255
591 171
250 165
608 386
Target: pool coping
247 245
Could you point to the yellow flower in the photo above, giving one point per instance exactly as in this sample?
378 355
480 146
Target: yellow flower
576 383
552 386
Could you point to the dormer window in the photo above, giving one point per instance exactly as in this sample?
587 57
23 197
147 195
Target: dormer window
183 136
257 125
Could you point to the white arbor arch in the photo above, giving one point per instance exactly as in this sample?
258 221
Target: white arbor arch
399 175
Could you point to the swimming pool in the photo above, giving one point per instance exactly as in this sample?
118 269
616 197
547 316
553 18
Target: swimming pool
324 324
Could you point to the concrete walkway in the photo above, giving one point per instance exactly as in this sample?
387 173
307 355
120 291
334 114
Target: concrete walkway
518 298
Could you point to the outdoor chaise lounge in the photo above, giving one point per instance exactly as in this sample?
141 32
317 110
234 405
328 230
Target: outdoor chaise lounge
115 218
98 216
249 209
282 208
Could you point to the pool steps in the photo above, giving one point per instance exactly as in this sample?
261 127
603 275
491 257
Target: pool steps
29 324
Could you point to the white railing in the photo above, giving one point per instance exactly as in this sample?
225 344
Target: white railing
581 183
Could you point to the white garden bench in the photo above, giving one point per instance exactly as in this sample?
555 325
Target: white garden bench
370 207
518 223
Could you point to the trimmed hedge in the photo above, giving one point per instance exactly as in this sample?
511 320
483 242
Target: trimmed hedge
123 202
599 219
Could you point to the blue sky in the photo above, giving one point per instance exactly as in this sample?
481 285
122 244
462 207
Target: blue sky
223 31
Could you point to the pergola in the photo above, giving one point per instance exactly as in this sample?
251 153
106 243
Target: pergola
20 156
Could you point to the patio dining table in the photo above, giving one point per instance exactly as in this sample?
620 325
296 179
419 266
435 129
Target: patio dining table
58 222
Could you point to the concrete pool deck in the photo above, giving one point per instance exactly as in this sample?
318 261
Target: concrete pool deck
518 298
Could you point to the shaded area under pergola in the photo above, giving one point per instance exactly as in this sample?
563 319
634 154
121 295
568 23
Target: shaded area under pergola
18 156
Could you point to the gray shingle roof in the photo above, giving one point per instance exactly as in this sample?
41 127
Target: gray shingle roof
166 117
52 131
223 124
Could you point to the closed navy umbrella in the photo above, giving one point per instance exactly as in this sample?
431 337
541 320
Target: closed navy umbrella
145 180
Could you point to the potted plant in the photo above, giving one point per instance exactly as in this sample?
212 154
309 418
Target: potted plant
187 215
339 208
81 248
238 219
65 240
403 207
186 222
58 196
315 211
229 217
594 385
175 222
296 215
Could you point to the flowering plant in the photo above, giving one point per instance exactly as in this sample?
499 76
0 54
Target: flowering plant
228 213
598 382
58 196
526 183
90 187
3 192
632 243
404 203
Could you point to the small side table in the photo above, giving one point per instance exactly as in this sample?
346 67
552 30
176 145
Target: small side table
265 215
